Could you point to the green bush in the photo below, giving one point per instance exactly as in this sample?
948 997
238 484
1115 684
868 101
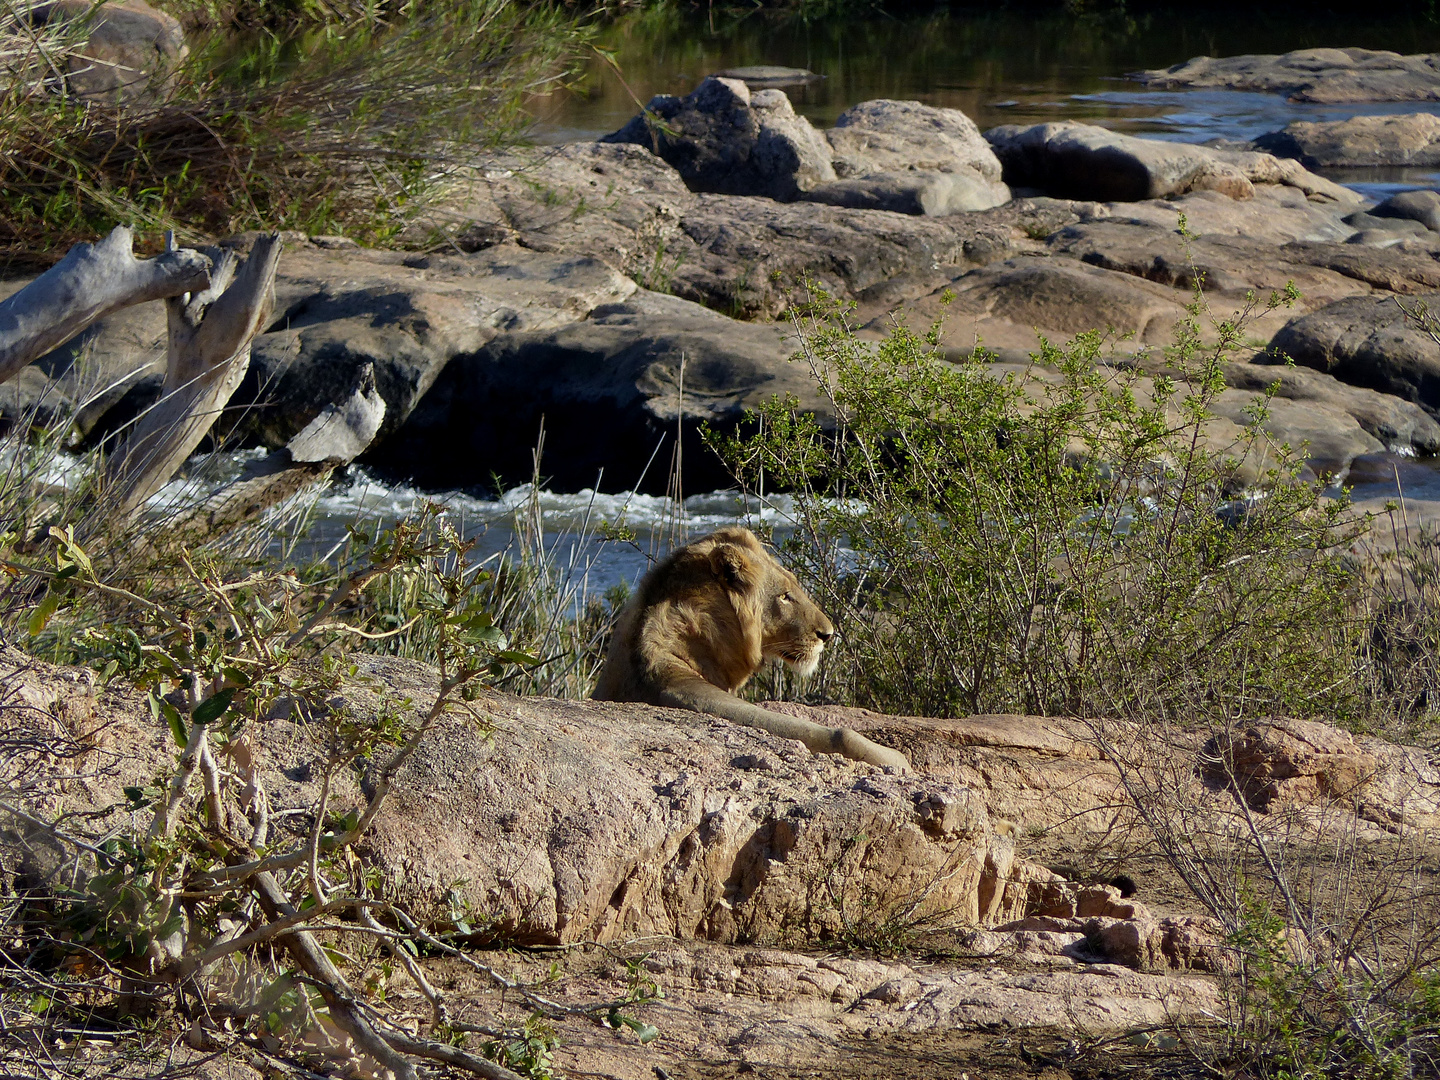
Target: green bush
1074 540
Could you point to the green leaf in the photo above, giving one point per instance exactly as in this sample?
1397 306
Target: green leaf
213 707
160 708
514 656
41 615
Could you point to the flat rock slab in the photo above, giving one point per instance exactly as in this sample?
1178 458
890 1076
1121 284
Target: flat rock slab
733 1010
1404 140
770 76
1320 75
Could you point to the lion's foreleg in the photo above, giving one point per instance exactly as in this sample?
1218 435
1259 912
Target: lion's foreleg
700 696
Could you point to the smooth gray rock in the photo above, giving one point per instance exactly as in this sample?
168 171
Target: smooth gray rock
933 194
1410 139
722 138
609 390
1316 75
1369 341
1397 226
770 76
131 51
884 136
1401 426
1421 206
1084 161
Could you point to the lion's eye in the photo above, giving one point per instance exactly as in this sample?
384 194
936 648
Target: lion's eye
785 598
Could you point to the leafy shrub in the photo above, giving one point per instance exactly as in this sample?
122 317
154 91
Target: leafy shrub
1070 540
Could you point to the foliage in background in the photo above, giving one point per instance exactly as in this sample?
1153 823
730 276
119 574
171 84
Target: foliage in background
1057 545
344 129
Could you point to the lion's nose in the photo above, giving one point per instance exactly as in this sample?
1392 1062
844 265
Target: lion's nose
824 635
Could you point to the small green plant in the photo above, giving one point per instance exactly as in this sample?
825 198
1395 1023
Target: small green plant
530 1051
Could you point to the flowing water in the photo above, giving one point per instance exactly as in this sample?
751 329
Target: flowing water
998 67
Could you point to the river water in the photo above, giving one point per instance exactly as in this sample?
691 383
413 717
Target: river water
998 67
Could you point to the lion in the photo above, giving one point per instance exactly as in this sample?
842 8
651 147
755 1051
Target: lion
700 624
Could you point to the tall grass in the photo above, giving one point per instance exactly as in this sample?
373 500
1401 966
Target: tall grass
344 129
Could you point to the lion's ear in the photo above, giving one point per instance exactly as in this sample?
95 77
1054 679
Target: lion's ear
733 566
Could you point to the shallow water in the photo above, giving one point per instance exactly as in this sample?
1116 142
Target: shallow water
576 531
999 68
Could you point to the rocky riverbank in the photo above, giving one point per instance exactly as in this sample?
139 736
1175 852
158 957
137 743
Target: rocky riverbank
762 889
619 288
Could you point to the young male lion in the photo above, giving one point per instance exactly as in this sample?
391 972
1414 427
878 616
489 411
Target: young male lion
701 623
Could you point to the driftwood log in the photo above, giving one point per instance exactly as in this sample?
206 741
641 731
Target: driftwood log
216 303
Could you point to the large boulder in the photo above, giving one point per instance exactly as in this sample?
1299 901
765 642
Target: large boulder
1368 341
340 308
130 53
912 158
1409 139
608 390
1317 75
1422 207
886 136
722 138
1082 161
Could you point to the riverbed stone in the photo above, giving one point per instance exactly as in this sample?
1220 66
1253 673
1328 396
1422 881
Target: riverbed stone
609 391
1403 140
934 194
1371 342
1418 206
885 136
131 51
724 138
1083 161
1323 75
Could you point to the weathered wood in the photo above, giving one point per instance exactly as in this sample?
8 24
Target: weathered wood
208 354
338 435
92 281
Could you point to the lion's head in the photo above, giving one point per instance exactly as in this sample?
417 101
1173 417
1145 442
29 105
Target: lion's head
716 608
776 618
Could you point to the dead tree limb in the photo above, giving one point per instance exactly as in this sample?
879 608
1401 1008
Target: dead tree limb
92 281
208 354
338 435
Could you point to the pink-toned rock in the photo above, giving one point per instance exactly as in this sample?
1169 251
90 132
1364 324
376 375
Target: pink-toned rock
1290 762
